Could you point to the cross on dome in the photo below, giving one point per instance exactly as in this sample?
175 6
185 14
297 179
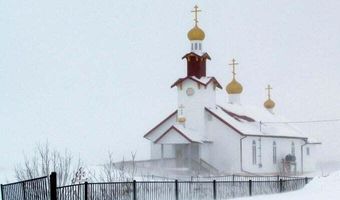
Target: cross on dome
196 11
234 63
181 107
196 33
269 104
269 88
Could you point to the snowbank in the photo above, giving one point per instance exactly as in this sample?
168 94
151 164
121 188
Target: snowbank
320 188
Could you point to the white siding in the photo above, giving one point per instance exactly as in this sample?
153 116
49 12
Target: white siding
224 152
283 148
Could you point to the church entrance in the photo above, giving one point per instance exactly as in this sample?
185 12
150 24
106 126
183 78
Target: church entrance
186 154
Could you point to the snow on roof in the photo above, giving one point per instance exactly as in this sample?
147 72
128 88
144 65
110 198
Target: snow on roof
248 120
197 53
192 134
203 80
188 134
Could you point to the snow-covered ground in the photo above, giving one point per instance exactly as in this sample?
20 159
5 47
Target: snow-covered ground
320 188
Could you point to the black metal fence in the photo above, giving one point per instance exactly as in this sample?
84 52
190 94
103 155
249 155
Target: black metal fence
176 190
236 186
34 189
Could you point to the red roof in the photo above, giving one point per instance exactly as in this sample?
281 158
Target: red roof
178 131
166 119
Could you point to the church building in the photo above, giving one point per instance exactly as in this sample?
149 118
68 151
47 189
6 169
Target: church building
202 137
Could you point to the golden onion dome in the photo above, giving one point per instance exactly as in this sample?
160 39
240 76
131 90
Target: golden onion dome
181 119
234 87
196 34
269 104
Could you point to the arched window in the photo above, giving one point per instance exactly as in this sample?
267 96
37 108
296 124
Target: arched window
307 151
200 46
254 152
192 46
293 149
195 46
274 152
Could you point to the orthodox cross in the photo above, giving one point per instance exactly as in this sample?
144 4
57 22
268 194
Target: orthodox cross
269 88
181 109
196 11
234 63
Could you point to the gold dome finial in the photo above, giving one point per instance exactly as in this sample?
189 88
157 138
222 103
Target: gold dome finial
180 117
196 33
269 104
234 87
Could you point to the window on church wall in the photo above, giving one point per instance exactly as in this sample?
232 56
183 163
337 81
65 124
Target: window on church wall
307 151
195 46
254 152
274 153
293 149
200 46
192 46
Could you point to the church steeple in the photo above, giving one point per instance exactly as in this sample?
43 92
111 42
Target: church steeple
196 59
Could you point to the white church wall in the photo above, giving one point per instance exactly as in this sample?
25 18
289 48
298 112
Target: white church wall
173 137
264 155
224 151
310 157
194 105
156 151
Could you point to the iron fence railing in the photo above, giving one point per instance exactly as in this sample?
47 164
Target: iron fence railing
231 187
176 190
34 189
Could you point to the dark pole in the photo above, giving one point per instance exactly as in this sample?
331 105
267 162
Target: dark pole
176 189
306 180
53 185
134 190
281 185
24 190
250 189
85 190
2 192
214 188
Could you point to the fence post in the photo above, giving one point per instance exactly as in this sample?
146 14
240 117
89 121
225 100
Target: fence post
23 190
281 185
176 189
250 189
85 190
134 190
2 192
306 180
53 186
214 188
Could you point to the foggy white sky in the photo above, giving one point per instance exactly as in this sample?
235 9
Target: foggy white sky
94 76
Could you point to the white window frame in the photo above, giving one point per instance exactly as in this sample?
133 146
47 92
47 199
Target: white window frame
254 152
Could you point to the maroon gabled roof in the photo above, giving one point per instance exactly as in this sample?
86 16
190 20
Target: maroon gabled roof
205 55
197 81
225 122
178 131
236 116
172 114
244 134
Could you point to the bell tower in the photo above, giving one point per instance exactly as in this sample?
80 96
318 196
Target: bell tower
196 59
